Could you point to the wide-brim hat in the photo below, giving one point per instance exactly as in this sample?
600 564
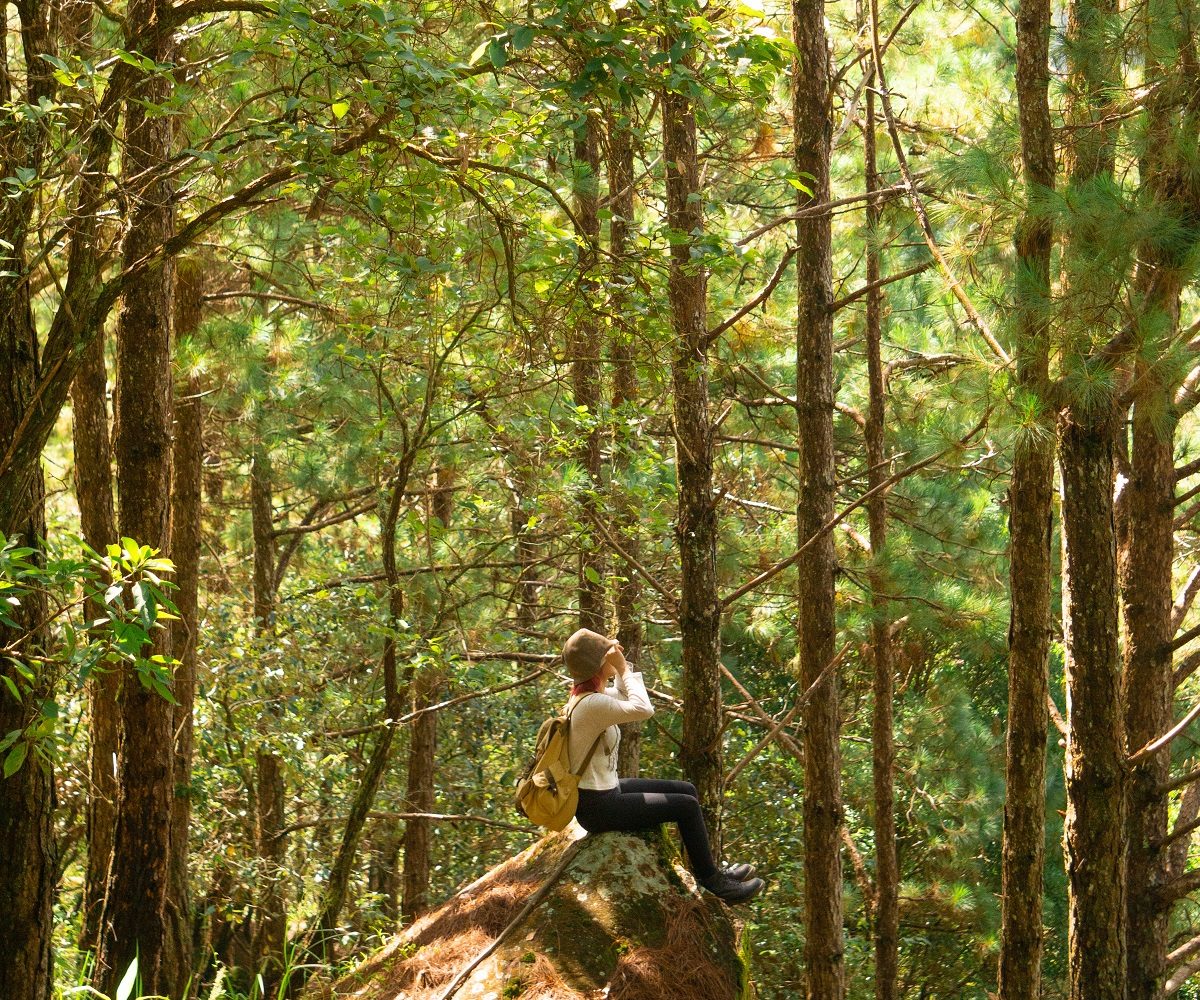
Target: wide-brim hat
584 653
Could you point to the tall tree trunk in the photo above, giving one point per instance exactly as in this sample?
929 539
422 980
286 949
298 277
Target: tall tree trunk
185 552
135 912
270 924
422 757
1147 569
27 797
816 631
1096 796
94 496
585 366
1030 536
696 520
1095 831
887 877
320 939
187 504
1147 600
624 407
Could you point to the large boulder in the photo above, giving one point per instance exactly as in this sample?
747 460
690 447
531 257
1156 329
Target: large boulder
612 916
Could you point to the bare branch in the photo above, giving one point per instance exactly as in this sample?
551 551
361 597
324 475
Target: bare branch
1185 599
755 302
1161 741
859 293
1180 782
828 526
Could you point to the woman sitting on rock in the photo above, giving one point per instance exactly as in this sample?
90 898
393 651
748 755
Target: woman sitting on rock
607 802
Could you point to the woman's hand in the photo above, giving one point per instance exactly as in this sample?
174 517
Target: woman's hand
615 658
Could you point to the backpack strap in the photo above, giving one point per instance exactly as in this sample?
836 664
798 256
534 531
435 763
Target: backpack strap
588 759
570 709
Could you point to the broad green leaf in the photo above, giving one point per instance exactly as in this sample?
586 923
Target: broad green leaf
15 758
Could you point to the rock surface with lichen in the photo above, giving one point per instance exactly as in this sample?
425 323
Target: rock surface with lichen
623 921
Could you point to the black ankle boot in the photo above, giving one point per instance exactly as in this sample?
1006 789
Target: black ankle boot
730 889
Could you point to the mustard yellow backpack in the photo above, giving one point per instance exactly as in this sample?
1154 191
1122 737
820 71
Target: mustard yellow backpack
548 791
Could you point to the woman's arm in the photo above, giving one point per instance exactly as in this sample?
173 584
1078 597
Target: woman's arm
627 702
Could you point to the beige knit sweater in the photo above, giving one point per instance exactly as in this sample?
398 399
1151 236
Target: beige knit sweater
625 701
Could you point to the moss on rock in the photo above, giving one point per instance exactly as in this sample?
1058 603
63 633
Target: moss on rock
624 921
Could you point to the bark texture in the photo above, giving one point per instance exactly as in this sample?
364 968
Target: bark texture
1096 796
624 407
1148 684
270 918
1146 585
27 797
816 628
92 448
585 367
887 875
696 518
418 834
135 913
1030 535
187 463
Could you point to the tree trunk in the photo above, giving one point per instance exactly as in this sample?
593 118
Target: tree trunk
696 520
887 877
1146 585
624 404
27 797
1095 829
816 631
270 924
422 757
135 913
585 367
185 551
1147 599
321 936
1096 796
94 495
1030 537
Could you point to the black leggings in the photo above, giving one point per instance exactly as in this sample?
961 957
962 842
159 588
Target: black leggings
643 803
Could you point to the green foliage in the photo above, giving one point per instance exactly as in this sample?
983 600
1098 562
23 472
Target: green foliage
125 585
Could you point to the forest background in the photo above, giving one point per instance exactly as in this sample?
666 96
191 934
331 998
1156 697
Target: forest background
355 353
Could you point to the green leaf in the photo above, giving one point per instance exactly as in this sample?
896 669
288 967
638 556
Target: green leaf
497 53
522 38
339 109
591 574
15 758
